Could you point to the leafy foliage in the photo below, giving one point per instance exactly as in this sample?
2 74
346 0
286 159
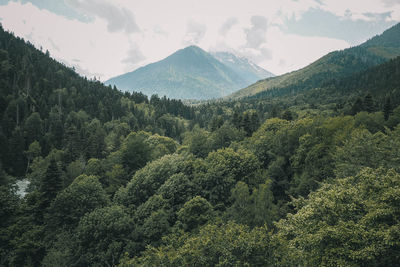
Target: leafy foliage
102 236
216 244
353 221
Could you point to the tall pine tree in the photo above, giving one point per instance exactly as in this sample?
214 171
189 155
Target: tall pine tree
51 184
387 109
369 103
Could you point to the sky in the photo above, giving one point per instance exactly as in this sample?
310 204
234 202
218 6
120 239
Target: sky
105 38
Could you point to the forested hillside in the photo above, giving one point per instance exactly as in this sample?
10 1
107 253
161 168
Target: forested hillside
305 178
337 64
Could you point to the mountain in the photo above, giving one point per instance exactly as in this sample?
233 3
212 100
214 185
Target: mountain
334 65
246 69
189 73
382 82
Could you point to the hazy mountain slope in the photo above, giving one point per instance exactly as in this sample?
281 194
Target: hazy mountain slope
246 69
333 65
189 73
381 81
390 38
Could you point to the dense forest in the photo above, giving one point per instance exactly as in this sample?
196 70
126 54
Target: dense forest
306 177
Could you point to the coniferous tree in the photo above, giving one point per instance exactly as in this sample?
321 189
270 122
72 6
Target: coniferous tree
287 115
56 130
73 143
255 121
51 184
387 109
246 124
357 106
33 128
274 112
369 103
16 159
236 120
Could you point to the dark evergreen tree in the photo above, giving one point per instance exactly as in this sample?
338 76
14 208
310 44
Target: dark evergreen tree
387 108
216 122
56 130
274 112
369 103
357 106
73 143
287 115
16 159
255 121
247 124
236 120
95 142
51 184
33 128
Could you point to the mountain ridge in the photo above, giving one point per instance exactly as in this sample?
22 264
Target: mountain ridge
335 64
189 73
247 69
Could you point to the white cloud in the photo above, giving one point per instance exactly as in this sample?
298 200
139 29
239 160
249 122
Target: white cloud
134 56
53 44
390 3
291 52
256 34
282 52
359 9
100 52
228 24
118 18
195 33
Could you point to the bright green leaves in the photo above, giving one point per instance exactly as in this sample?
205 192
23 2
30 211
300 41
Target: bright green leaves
218 244
146 181
364 149
352 222
255 208
225 168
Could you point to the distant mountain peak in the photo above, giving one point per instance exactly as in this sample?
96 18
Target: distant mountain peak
191 73
247 69
193 47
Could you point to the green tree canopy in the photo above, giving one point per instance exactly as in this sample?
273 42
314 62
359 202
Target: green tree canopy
82 196
219 244
195 213
102 236
354 221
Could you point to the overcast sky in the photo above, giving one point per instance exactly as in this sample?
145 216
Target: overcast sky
104 38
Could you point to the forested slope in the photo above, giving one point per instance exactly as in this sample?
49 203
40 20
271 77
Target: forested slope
336 64
43 100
